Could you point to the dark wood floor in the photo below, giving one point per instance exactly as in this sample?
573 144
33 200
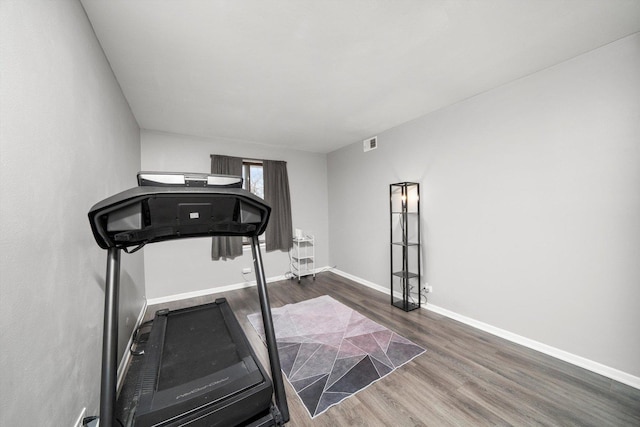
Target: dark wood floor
466 378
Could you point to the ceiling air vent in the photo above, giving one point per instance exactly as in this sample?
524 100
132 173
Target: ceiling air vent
370 143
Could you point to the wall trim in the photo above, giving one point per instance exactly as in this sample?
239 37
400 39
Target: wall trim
576 360
126 357
210 291
227 288
361 281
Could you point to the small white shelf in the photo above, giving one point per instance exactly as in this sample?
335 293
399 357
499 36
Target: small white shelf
303 257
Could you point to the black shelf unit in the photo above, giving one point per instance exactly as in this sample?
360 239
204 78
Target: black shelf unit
404 206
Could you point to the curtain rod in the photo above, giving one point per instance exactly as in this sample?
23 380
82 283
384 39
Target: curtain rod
247 158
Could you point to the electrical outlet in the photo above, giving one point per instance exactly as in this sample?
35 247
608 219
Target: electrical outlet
246 270
80 418
429 289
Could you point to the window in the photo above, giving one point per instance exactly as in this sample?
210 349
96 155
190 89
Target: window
253 181
268 179
252 175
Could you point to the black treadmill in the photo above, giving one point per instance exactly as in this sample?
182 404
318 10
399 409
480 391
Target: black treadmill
199 368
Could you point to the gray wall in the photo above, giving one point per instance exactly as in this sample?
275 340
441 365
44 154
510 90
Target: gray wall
185 266
68 139
530 195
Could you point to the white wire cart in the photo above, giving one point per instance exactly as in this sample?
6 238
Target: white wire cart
303 257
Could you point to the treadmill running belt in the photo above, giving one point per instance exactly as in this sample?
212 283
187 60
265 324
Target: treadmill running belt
195 336
199 370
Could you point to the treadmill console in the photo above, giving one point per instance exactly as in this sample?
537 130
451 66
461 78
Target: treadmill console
171 206
185 179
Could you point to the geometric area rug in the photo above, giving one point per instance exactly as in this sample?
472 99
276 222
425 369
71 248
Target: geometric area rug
329 352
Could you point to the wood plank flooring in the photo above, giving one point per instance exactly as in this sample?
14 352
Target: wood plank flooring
467 377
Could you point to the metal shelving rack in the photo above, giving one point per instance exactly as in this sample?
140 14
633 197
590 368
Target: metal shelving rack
404 204
303 257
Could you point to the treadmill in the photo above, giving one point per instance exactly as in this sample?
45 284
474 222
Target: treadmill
199 368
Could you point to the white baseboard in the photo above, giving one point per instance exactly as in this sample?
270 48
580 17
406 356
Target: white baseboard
217 290
361 281
80 418
202 292
122 368
580 361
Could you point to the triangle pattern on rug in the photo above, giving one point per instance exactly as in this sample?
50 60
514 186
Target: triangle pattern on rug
382 368
329 351
284 344
288 357
341 313
347 349
359 325
332 339
341 367
400 353
318 364
283 324
305 382
358 377
329 399
383 338
305 352
311 395
370 346
309 325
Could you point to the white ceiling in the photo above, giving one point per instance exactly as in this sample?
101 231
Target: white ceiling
318 75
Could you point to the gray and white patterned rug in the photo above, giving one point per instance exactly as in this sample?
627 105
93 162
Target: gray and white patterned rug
329 352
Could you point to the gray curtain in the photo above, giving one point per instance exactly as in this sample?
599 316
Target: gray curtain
226 247
279 234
